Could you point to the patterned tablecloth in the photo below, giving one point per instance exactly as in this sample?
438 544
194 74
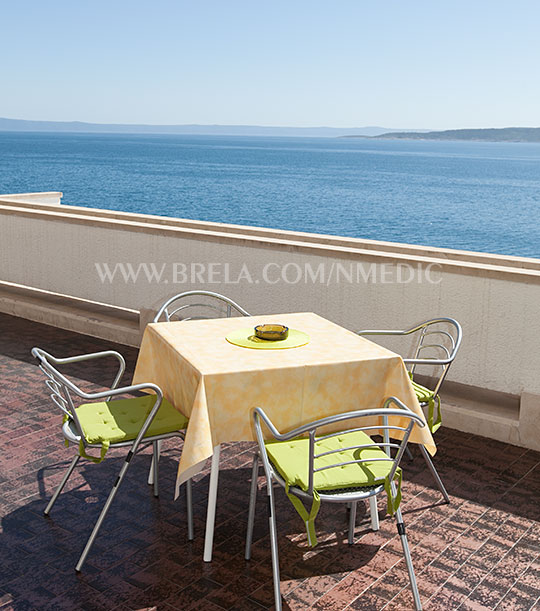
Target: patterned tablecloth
217 384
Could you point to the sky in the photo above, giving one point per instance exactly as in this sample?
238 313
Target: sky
342 63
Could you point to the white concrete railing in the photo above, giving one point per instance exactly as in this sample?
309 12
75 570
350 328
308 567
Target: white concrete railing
49 198
356 283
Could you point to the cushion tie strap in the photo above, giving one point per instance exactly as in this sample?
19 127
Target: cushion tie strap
393 502
434 426
309 518
82 450
83 454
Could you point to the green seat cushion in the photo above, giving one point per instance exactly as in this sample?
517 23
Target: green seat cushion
423 394
122 419
291 460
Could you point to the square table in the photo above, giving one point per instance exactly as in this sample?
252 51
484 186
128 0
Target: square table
217 384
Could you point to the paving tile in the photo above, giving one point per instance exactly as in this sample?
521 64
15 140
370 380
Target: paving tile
368 601
310 591
471 605
193 594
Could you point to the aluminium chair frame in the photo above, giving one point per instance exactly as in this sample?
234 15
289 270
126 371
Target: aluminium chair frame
72 431
341 496
164 312
416 360
231 305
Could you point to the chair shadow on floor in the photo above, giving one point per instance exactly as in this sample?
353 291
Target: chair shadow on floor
141 532
39 553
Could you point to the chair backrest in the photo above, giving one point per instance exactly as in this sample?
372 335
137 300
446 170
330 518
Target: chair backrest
385 426
436 346
196 305
62 389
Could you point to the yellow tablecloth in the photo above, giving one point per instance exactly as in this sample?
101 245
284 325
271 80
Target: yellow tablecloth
217 384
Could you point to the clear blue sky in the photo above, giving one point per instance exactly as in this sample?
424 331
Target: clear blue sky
398 63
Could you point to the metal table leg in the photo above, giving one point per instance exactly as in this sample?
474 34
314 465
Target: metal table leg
211 511
373 512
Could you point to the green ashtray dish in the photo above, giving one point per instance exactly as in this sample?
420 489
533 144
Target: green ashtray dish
272 333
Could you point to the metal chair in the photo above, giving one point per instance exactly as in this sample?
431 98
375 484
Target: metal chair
219 306
123 423
358 469
437 344
183 307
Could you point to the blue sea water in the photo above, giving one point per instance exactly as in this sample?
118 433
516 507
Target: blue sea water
466 195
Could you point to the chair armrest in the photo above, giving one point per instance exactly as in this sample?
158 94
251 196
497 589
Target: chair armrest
429 361
87 357
44 357
409 361
384 332
106 394
418 327
259 414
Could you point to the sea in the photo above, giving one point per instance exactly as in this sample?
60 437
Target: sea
465 195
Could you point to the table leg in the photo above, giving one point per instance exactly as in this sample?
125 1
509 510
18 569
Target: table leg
151 472
373 512
211 511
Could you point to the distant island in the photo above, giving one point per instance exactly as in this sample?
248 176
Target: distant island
22 125
505 134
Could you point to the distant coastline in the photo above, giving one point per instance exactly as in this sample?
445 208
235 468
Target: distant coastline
22 125
505 134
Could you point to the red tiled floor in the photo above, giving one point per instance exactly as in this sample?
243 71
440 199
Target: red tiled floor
480 552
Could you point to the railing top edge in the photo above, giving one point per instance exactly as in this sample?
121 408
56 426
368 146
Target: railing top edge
296 235
325 244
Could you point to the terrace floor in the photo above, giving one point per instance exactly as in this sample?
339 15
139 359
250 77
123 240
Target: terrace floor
480 552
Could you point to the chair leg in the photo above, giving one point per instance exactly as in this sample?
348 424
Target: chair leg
274 546
252 503
189 501
67 475
104 512
155 467
409 453
374 512
435 474
151 472
352 522
408 560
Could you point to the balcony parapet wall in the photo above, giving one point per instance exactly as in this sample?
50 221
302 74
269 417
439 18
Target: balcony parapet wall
56 250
